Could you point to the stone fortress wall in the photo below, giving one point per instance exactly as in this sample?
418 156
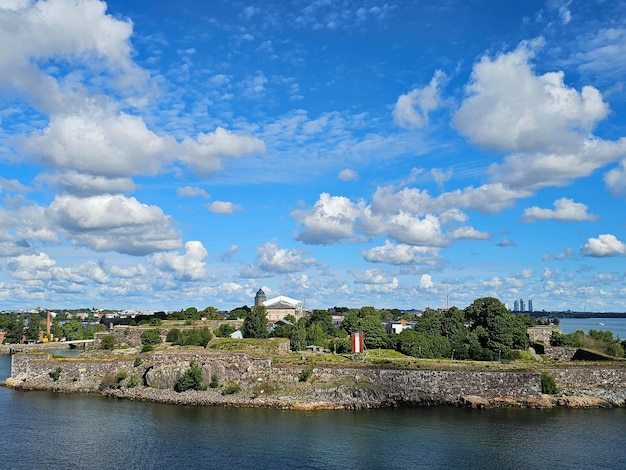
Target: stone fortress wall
355 387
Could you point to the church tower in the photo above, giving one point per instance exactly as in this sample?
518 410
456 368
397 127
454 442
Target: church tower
259 298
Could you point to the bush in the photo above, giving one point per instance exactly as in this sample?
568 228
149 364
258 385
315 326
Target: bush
133 381
147 348
191 379
214 380
195 337
230 388
138 362
107 342
305 374
55 374
173 335
548 384
224 331
151 337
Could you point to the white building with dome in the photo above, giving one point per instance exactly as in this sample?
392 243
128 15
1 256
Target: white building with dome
279 307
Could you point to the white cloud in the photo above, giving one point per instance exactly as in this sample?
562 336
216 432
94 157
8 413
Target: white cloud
222 207
187 266
510 108
565 209
400 254
204 154
85 185
330 220
348 175
191 191
546 125
412 109
114 223
468 233
426 281
615 179
603 246
281 260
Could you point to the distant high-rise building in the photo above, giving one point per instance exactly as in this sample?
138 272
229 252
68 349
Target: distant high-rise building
521 305
516 306
530 305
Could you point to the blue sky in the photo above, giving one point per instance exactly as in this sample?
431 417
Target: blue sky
409 154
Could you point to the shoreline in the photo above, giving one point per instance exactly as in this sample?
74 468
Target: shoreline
246 381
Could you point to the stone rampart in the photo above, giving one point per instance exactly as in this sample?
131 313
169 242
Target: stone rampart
156 374
558 353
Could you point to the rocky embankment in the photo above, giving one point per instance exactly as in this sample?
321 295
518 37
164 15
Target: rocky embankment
236 379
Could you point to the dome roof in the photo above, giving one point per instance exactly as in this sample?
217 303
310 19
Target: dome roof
260 292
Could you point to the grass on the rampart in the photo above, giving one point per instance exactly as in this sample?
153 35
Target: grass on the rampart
254 347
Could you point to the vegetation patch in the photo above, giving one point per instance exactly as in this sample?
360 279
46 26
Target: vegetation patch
548 384
55 374
191 379
230 388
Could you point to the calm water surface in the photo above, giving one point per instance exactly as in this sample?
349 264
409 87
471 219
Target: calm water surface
41 430
616 325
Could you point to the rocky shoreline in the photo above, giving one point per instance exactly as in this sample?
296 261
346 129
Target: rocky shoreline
245 381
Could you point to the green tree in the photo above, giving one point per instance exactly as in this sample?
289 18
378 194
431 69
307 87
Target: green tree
191 379
107 342
315 335
14 329
73 330
255 323
224 330
211 313
33 328
297 339
151 337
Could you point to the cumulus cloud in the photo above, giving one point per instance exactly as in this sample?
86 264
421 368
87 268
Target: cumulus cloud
189 265
113 223
348 175
330 220
604 246
400 254
222 207
281 260
192 191
565 209
468 233
84 185
615 179
412 109
204 153
426 281
544 124
510 108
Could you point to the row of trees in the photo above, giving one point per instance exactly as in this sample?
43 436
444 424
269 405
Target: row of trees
19 329
596 340
485 330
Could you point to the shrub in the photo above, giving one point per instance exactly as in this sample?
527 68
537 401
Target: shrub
191 379
173 335
305 374
224 330
548 384
214 380
55 374
230 388
195 337
107 342
121 376
147 348
151 337
138 362
133 381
